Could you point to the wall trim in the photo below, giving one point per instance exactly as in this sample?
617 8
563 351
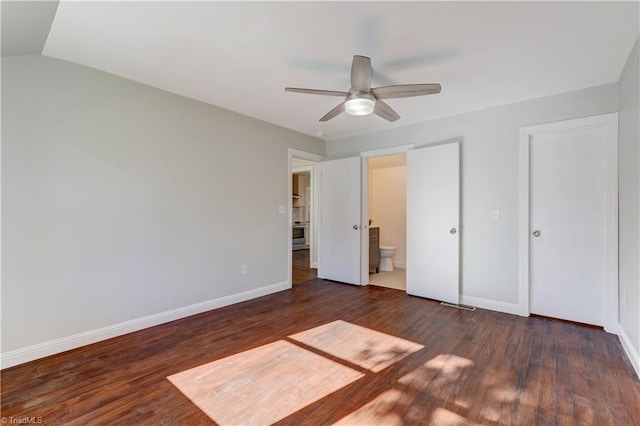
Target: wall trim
629 350
400 264
41 350
492 305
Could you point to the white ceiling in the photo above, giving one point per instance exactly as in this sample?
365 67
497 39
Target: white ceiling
240 55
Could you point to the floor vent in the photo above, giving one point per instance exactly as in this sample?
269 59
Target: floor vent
459 306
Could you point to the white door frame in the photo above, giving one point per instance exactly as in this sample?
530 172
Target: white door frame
291 153
364 242
610 122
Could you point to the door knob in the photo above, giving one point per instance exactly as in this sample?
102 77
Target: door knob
453 231
536 233
355 227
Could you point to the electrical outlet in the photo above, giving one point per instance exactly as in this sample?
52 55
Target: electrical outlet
244 270
495 215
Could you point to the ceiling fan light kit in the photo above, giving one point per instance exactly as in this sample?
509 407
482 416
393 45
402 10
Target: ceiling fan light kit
360 105
362 99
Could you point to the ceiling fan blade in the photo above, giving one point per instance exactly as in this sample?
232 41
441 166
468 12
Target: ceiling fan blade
361 73
315 91
385 111
334 112
405 90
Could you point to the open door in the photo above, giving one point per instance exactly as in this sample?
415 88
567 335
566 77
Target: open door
433 214
340 232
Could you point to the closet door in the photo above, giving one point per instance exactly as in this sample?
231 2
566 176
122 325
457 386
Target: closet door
568 223
569 220
433 214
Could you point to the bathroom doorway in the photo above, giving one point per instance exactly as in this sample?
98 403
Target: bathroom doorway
386 206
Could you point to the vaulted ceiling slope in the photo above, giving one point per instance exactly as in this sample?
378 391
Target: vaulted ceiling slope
25 26
241 55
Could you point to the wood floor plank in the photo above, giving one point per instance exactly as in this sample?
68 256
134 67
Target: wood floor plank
477 367
300 269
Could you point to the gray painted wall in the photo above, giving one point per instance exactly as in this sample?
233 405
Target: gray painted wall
489 176
26 25
121 200
629 190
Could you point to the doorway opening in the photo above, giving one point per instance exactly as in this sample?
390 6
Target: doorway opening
387 195
304 219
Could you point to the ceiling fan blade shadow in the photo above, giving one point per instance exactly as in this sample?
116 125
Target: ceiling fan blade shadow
405 90
385 111
319 65
315 91
427 58
367 34
361 73
382 79
334 112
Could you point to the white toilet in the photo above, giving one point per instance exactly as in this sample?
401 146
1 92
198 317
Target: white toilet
386 253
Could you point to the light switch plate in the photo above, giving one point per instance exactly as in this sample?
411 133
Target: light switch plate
282 209
495 215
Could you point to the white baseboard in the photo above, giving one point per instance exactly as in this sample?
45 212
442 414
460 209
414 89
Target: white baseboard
492 305
314 265
629 350
41 350
400 264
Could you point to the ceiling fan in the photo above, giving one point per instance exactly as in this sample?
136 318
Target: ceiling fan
362 99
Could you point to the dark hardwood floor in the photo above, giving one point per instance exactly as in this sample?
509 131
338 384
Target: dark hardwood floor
301 271
462 367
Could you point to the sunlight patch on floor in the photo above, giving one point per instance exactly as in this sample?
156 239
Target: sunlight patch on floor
450 365
441 369
443 417
506 394
383 410
358 345
266 384
262 385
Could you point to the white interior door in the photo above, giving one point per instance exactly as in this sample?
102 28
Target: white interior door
433 214
340 252
567 221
